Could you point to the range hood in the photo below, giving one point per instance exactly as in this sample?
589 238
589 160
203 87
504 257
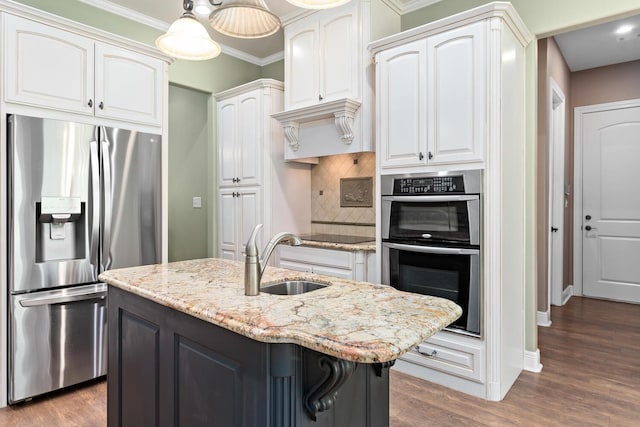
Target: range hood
342 111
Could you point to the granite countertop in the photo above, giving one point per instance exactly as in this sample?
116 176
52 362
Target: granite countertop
364 246
355 321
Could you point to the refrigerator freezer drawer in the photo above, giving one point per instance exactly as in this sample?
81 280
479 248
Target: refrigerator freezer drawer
57 339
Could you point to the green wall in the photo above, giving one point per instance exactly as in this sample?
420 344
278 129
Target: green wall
189 151
274 70
543 18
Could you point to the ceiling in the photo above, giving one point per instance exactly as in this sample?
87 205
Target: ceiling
160 14
599 45
585 48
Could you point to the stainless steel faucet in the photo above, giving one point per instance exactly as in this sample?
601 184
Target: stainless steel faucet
253 265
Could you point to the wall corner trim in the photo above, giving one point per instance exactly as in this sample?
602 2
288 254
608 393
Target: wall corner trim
543 318
532 361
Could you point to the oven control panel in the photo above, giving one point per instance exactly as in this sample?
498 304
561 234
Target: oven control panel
429 185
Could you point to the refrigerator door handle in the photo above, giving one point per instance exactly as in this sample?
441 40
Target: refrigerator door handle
95 207
62 299
106 177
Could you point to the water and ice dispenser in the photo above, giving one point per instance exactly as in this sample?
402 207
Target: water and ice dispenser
60 229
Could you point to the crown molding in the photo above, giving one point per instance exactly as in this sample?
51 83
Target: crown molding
405 6
251 58
130 14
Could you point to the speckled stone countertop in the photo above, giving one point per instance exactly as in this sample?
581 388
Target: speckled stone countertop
355 321
366 246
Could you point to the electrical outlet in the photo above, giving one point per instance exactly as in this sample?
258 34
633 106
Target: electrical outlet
197 202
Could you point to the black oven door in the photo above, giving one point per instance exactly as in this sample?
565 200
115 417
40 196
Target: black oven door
451 273
452 219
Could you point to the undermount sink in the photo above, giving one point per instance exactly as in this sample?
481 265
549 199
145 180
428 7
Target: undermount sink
292 287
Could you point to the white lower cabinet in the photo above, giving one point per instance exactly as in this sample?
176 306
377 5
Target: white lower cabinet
328 262
239 212
451 353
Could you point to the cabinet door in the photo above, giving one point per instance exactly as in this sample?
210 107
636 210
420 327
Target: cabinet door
227 137
128 85
249 215
250 137
301 64
402 104
339 53
457 94
50 67
227 225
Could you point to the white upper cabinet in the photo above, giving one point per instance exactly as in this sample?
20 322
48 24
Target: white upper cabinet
457 75
52 68
402 89
329 102
128 85
47 67
322 54
240 140
432 100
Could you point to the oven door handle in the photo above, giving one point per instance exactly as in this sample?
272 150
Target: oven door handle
425 198
431 249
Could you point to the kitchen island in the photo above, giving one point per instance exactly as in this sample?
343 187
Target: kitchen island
187 347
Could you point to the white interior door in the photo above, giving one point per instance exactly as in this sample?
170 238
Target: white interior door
611 204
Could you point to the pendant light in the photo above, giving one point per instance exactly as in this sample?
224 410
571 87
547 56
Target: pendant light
247 19
318 4
186 38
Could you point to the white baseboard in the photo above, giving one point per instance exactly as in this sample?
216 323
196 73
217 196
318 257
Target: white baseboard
567 293
532 361
543 318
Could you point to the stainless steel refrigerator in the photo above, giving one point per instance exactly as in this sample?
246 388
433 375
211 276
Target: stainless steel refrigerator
82 199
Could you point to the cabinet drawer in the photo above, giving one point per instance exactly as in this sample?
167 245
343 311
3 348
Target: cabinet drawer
317 256
452 354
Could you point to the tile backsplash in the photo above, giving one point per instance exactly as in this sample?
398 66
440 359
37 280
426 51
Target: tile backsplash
326 214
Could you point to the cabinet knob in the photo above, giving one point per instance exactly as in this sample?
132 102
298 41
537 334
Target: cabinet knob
320 98
420 156
554 229
588 217
233 179
90 103
588 227
430 155
101 105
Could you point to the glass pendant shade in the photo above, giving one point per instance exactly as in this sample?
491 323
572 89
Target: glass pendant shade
186 38
247 19
318 4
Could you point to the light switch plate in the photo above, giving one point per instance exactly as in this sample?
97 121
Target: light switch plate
197 202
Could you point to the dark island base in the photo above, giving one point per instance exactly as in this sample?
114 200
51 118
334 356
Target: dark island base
166 368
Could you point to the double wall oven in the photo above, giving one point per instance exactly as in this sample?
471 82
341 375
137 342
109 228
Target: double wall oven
431 239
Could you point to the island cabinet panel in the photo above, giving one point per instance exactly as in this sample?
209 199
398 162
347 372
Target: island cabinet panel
167 368
170 369
139 370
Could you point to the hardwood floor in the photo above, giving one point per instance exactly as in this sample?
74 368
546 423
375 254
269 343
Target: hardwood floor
591 377
79 406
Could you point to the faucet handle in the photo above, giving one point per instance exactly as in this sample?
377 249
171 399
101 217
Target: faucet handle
251 249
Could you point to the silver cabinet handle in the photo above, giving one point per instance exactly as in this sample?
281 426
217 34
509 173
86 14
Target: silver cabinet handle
426 236
428 353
